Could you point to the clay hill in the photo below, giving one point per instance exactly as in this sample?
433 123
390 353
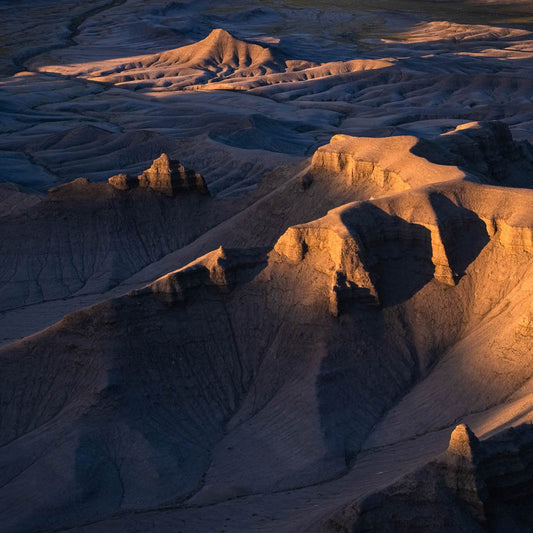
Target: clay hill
219 55
220 61
297 362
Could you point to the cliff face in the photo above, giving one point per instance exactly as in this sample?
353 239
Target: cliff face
434 234
335 252
387 164
482 152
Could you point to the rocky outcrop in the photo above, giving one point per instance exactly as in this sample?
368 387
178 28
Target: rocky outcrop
170 177
463 443
473 486
218 269
432 233
167 176
479 151
459 469
123 182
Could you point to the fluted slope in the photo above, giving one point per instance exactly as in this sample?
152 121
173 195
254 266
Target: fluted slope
239 348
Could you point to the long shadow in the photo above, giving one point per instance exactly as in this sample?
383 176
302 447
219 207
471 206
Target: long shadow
399 255
175 375
463 233
367 369
368 366
365 372
487 154
396 254
507 470
21 61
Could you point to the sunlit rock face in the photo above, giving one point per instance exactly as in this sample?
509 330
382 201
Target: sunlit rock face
266 266
123 182
169 177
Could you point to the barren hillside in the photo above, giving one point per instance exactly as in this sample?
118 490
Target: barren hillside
272 277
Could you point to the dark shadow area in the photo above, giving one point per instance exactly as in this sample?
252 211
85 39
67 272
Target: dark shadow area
396 253
507 469
244 264
175 375
364 373
367 367
73 29
225 269
486 153
263 133
463 233
488 491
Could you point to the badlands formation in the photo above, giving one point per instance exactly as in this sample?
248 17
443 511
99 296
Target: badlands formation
272 277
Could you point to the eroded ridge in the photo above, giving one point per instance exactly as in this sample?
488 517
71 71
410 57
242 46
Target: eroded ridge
482 152
435 232
219 268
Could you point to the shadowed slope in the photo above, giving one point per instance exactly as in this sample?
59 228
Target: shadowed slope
472 487
96 237
179 383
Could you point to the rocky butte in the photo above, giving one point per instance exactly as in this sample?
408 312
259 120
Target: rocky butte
167 176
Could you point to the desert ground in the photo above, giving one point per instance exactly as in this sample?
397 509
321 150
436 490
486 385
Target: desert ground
266 266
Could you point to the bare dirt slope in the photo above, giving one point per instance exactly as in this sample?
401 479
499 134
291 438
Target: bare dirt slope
192 391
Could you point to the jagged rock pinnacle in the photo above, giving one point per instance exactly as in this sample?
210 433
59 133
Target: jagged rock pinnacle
167 176
463 442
